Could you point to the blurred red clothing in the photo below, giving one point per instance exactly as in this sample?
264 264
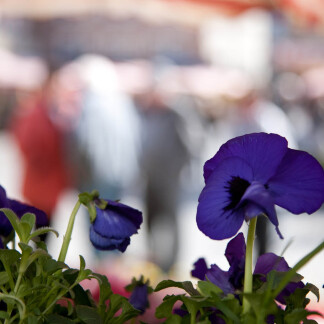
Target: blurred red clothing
41 143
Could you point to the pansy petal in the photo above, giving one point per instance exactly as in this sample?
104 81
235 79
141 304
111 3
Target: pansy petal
200 269
219 278
20 209
270 261
298 184
113 224
106 243
214 218
262 151
259 195
134 215
235 250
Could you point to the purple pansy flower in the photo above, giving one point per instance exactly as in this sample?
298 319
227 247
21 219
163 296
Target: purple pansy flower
251 174
113 226
232 280
20 209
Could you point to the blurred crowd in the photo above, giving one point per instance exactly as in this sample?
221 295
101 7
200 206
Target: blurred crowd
143 129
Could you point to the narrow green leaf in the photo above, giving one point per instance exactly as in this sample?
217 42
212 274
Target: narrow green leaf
29 219
4 315
9 257
207 288
88 315
164 310
312 288
4 278
57 319
186 285
13 219
43 230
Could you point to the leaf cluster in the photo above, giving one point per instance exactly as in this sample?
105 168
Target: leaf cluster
207 303
35 288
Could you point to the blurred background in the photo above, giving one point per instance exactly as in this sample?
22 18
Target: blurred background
132 97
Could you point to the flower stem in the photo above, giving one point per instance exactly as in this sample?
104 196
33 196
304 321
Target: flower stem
248 276
68 233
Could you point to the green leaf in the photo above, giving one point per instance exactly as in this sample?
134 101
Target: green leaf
186 285
57 319
43 230
13 219
174 319
32 320
4 278
312 288
128 312
35 255
27 222
25 248
164 310
207 288
4 315
88 315
9 257
298 315
105 290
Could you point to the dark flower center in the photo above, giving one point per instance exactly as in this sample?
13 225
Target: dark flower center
236 188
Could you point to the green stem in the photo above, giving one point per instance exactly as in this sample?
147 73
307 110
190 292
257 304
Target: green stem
68 233
248 276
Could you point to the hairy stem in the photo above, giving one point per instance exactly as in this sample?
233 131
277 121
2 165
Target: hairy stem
68 233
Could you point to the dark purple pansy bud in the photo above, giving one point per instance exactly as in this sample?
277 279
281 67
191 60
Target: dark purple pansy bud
139 297
113 226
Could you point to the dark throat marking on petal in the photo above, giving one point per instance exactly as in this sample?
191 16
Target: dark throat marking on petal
236 188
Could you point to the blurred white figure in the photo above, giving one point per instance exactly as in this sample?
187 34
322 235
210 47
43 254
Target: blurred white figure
103 129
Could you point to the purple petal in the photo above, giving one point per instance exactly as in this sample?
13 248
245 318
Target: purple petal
270 261
20 209
235 254
139 298
235 250
107 243
263 152
220 278
113 222
134 215
298 184
200 269
259 201
213 217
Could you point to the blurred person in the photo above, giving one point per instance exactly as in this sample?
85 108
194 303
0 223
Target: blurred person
103 123
102 134
40 141
163 156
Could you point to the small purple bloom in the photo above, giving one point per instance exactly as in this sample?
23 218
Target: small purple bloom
114 225
232 280
139 297
251 174
20 209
